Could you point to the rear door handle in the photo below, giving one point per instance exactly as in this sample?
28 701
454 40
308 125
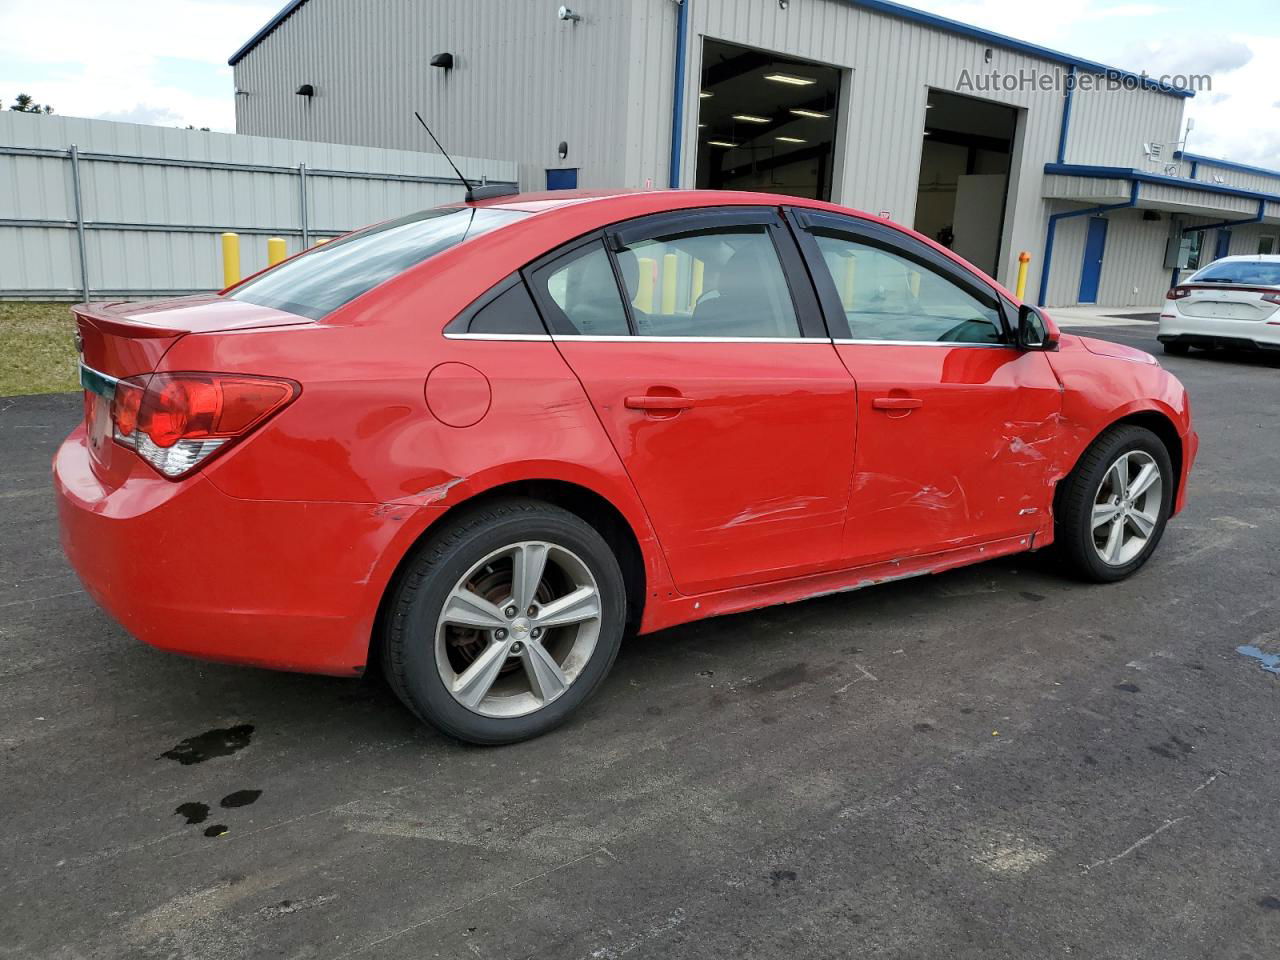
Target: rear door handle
896 403
657 402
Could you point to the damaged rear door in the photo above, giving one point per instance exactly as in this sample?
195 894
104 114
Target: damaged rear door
957 426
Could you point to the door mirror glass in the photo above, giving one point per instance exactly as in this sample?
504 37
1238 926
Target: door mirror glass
1034 330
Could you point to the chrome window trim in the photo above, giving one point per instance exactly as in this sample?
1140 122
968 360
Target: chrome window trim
497 336
927 343
587 338
647 339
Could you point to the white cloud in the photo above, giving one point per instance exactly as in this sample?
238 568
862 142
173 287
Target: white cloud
101 58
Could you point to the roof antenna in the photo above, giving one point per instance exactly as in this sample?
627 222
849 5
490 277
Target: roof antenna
474 193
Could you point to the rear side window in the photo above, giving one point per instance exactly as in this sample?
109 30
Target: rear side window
508 310
886 296
583 291
718 282
332 275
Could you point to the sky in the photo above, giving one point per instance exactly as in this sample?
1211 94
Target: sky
165 61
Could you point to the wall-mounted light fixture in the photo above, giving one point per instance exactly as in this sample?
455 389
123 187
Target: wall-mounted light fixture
986 55
562 151
442 60
567 14
306 90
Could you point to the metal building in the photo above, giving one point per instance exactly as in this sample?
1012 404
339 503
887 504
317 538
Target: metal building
987 143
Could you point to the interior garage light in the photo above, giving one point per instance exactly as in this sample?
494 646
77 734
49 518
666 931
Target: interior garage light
791 139
703 94
791 79
720 143
811 114
751 118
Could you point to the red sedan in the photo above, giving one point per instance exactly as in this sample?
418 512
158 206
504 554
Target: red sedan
480 443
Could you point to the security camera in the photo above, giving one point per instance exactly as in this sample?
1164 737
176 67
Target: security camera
567 14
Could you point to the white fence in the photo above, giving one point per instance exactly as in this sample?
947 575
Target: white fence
96 209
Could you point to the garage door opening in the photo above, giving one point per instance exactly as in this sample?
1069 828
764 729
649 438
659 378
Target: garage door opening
765 122
964 175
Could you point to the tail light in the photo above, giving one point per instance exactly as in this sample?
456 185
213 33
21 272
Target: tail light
1271 297
176 421
1178 293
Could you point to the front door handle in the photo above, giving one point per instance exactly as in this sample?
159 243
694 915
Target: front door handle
659 402
896 403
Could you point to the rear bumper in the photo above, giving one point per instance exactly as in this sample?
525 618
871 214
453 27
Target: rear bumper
1212 332
186 568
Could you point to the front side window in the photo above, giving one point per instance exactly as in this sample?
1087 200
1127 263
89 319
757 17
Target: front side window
718 282
886 296
329 276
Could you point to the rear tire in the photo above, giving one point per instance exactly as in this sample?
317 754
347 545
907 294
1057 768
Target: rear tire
1177 349
1114 505
504 622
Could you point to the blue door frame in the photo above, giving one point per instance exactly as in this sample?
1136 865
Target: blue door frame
1095 245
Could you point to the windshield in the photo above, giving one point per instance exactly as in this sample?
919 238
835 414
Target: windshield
1259 273
336 273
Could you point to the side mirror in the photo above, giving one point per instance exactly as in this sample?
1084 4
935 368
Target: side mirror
1035 330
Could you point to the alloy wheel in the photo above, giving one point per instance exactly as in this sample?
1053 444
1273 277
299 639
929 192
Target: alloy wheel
1126 507
517 629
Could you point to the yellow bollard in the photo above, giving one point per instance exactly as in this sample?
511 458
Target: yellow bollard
846 288
1024 258
670 267
644 295
230 259
695 283
275 250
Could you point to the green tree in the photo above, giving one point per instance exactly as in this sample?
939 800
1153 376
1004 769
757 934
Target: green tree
23 103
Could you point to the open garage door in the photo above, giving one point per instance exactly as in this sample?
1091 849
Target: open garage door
964 175
765 122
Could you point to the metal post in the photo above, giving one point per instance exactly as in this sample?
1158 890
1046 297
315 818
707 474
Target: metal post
302 200
75 192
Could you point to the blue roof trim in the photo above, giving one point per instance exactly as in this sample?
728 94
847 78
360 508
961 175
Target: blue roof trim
262 34
1009 43
1142 176
1198 158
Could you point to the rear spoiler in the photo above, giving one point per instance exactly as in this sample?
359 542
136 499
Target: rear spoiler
96 315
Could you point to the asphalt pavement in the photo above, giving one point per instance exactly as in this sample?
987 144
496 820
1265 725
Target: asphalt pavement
993 762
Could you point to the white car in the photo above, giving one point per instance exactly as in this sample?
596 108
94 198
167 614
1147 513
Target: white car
1233 302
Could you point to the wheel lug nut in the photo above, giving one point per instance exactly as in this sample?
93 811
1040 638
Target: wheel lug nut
532 611
511 612
500 634
517 647
536 632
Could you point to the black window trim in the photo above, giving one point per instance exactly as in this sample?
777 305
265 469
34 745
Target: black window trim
891 240
675 223
459 328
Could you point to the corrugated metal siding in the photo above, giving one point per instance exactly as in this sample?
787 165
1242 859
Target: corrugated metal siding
892 65
1133 272
199 202
1109 127
1218 203
605 86
1243 179
523 80
1092 189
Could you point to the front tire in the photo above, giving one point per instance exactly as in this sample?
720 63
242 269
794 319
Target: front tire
1115 504
504 622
